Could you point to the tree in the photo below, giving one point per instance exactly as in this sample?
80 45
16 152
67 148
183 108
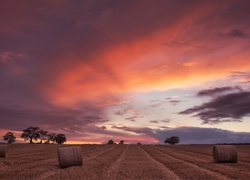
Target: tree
60 138
43 135
51 137
9 137
31 133
121 142
172 140
110 141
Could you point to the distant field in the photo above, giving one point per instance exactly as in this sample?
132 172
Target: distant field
39 161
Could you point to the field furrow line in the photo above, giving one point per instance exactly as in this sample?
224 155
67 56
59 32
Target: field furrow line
87 156
184 169
187 150
114 170
96 167
168 173
227 169
184 155
200 149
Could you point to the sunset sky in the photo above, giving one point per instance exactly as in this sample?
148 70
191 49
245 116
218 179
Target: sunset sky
131 70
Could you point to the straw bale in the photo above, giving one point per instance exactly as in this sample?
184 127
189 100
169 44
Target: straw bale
224 154
3 150
70 156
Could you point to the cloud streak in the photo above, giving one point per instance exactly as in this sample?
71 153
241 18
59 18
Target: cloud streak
218 91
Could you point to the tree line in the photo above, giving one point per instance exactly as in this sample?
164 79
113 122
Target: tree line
36 134
170 140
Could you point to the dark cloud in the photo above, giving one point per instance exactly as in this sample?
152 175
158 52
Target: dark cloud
159 121
132 118
191 135
196 135
225 108
120 112
138 130
20 117
218 90
154 121
165 120
157 103
237 33
174 102
124 111
164 127
103 127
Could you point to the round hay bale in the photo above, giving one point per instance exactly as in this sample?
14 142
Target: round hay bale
224 154
3 150
70 156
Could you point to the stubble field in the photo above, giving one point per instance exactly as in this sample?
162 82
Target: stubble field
40 161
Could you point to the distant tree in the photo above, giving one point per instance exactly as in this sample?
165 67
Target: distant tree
110 141
172 140
9 137
43 135
31 133
51 137
121 142
60 138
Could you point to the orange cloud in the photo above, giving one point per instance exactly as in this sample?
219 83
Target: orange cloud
176 55
146 64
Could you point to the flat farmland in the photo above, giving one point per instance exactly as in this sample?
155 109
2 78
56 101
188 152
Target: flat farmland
40 161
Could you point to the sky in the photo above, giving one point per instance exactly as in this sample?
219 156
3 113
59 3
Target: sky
138 71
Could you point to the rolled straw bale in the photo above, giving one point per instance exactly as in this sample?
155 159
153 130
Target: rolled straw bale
3 150
70 156
224 153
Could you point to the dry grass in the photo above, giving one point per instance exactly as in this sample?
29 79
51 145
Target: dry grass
39 161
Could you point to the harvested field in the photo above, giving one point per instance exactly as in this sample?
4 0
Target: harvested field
40 161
